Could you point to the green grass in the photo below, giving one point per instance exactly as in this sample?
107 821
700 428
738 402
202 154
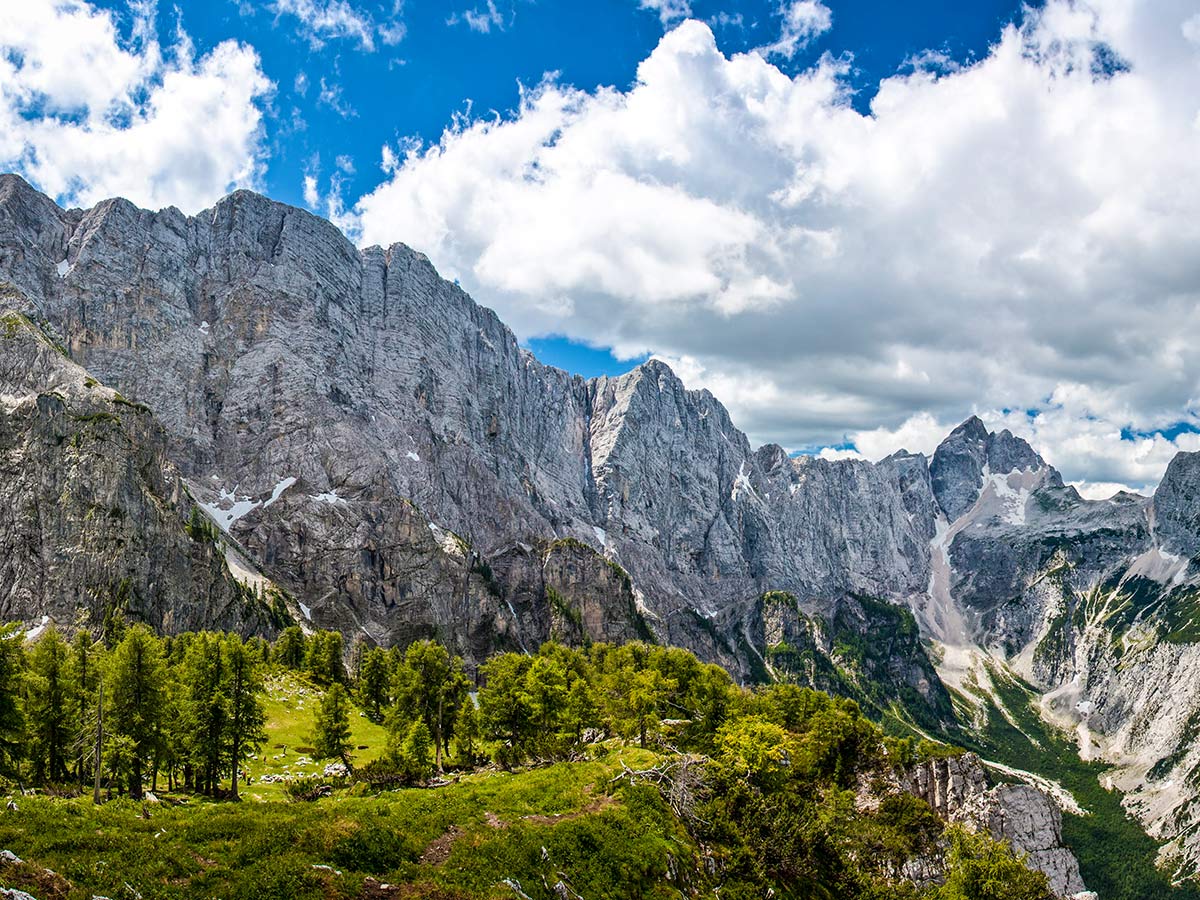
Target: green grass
290 707
459 840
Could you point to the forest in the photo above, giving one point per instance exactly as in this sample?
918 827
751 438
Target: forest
687 783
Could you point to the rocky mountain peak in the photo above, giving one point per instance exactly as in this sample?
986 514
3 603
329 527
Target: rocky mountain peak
1176 505
961 460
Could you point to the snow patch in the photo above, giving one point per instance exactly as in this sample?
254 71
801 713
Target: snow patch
742 483
327 497
1011 492
601 535
229 508
304 609
415 457
36 631
204 327
63 268
279 489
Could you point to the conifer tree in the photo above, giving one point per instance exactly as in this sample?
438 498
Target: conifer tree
247 719
205 709
373 684
12 719
290 648
466 732
50 707
137 687
86 658
331 737
430 685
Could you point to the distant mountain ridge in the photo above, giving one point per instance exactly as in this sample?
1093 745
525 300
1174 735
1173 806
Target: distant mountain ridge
379 447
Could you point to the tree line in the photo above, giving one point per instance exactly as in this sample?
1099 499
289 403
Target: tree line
123 715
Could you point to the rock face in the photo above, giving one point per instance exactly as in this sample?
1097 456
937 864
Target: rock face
94 519
957 789
335 410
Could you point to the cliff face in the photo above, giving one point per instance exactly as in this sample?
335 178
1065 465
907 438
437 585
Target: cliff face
330 407
958 790
94 519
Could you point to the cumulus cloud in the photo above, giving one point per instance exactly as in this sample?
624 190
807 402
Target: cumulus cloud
803 20
86 113
1017 233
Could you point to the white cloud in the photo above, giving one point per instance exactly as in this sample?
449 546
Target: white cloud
1099 490
331 95
480 20
312 194
803 20
87 114
834 454
668 10
323 21
985 238
1191 29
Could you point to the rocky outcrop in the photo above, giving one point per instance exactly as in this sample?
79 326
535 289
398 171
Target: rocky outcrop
863 648
1030 822
957 790
1176 506
946 783
95 522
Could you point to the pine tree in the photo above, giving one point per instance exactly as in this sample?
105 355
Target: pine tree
505 713
331 737
323 660
430 686
137 685
204 709
546 688
414 757
466 732
373 684
247 719
50 707
289 650
85 675
581 711
12 719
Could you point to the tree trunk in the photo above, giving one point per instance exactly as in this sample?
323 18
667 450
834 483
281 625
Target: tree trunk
99 742
233 790
437 740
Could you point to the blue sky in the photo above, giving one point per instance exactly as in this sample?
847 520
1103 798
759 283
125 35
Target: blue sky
337 100
855 223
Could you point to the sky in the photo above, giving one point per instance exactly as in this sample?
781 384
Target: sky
856 223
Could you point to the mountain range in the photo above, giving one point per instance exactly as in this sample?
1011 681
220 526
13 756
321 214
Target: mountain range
239 419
